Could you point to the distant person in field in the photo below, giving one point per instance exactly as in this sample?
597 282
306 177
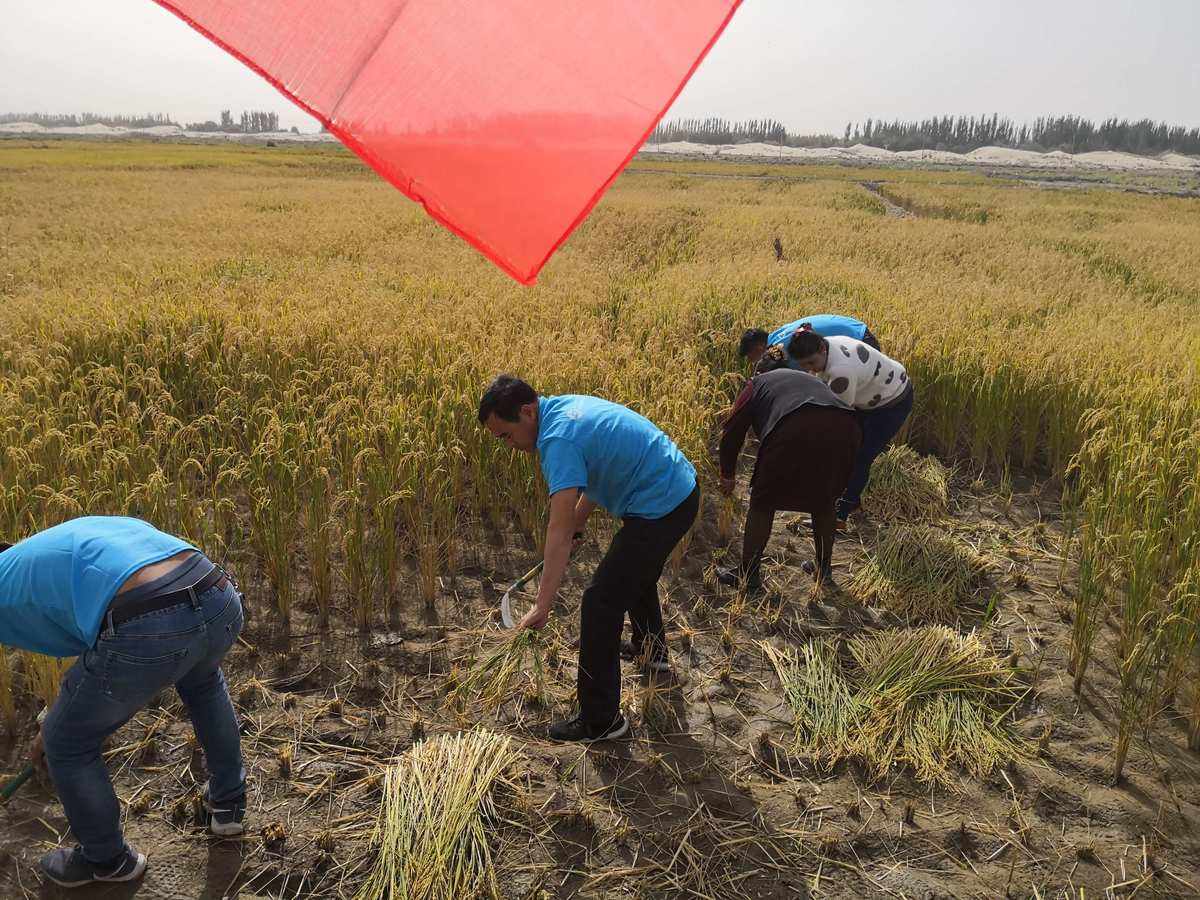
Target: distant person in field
141 610
808 443
596 453
875 385
755 341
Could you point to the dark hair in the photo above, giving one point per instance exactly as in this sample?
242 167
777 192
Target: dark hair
505 396
751 338
773 359
4 546
804 343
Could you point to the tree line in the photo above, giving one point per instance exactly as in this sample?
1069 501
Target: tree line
250 122
715 130
961 134
1070 134
75 120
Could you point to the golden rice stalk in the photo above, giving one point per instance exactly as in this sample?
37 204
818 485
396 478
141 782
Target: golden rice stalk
43 674
1183 680
431 835
921 573
906 486
1089 606
1191 706
8 707
725 510
655 709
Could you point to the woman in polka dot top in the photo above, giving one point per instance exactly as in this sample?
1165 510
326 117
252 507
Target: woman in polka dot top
875 385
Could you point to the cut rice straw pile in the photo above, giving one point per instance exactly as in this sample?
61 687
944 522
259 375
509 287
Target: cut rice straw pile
907 486
924 698
817 691
921 573
431 833
493 682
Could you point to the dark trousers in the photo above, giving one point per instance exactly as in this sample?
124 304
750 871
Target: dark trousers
878 427
870 340
760 518
626 581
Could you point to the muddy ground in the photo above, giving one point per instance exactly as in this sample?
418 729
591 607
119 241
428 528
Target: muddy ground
698 803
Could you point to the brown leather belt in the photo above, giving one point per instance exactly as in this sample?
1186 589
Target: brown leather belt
119 613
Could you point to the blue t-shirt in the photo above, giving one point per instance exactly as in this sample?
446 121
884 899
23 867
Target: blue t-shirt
620 460
56 585
824 325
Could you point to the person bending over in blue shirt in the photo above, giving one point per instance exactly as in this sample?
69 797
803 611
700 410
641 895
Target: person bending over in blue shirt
597 453
140 610
755 341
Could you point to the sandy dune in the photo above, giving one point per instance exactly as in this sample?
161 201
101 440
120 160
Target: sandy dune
990 156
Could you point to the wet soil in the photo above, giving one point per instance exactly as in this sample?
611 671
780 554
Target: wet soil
705 799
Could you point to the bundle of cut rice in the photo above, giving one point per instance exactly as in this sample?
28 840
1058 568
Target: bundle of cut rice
494 680
907 486
921 573
925 698
431 833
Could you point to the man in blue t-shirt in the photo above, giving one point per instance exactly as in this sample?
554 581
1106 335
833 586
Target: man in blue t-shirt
596 453
140 610
755 341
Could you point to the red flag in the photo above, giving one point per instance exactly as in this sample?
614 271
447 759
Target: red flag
505 119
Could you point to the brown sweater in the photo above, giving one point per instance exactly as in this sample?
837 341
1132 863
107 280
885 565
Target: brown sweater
764 402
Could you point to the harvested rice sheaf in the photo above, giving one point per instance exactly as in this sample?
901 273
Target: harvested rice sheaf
431 835
935 698
906 486
816 689
928 699
498 677
921 573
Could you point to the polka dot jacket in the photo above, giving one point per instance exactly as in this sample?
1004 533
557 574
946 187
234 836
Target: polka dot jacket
861 376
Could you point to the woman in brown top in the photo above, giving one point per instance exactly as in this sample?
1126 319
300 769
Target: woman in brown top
808 441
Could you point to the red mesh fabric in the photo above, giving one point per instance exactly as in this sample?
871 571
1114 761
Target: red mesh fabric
506 119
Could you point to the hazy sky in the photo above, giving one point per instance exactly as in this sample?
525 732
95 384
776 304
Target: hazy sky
812 65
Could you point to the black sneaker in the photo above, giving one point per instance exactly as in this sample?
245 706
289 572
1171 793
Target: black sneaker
733 578
629 653
578 730
226 819
69 868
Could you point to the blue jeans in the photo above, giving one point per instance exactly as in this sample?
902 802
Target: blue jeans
878 427
182 645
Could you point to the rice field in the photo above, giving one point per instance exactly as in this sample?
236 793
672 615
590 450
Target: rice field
270 352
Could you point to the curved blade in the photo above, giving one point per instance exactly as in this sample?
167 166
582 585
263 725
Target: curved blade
506 610
506 616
